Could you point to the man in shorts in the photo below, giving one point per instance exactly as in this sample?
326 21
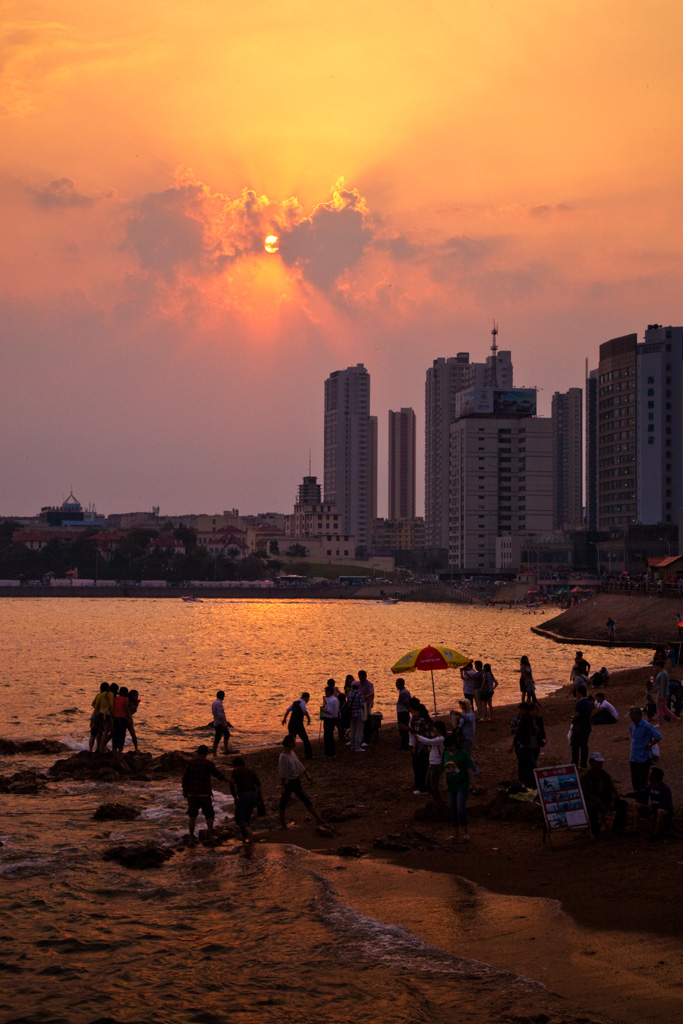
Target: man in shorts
197 789
221 725
655 803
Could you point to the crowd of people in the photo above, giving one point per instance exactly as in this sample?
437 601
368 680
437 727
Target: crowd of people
441 749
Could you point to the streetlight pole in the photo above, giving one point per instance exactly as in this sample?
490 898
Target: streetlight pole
668 546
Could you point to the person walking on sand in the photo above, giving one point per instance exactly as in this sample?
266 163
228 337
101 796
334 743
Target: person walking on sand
330 719
221 724
298 713
459 771
245 787
356 704
290 770
197 790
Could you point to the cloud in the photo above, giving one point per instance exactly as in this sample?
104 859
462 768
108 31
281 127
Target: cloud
189 227
60 192
332 240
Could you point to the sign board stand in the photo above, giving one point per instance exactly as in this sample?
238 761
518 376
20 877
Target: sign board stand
562 802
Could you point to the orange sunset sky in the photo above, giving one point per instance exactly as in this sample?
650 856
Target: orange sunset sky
427 167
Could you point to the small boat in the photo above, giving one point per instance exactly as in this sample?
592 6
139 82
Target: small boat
191 599
389 600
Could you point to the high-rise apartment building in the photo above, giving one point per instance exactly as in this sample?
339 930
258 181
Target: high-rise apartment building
616 415
402 464
567 419
591 448
445 379
350 455
501 478
659 430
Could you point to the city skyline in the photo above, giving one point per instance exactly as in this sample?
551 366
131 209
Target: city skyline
423 177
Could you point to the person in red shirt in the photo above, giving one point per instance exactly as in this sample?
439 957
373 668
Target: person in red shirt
122 720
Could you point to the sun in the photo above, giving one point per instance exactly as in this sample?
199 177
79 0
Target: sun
271 243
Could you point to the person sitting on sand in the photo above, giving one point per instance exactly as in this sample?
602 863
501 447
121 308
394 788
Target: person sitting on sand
298 713
197 789
604 713
655 803
459 769
221 724
601 796
290 770
245 787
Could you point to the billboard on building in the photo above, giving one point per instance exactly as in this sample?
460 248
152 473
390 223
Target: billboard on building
496 401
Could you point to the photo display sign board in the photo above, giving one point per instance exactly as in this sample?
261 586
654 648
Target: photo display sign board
561 797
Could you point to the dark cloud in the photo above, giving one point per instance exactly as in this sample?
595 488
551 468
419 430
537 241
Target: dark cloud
330 241
188 226
59 193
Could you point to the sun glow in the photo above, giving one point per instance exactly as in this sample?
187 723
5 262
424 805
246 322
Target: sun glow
271 243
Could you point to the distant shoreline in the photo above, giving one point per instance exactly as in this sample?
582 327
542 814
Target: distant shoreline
231 593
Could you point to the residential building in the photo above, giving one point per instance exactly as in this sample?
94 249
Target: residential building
659 432
445 379
501 478
313 517
402 464
350 451
399 534
616 442
567 419
592 388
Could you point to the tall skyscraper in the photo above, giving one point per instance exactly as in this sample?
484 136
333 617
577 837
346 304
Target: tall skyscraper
350 457
567 459
659 425
616 414
592 388
402 464
445 379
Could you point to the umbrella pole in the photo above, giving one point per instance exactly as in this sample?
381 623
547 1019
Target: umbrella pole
434 693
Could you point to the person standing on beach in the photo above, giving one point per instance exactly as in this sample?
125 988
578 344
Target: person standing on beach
436 750
664 713
527 687
356 704
581 727
472 679
459 771
298 712
245 787
420 725
197 789
122 720
489 684
330 719
290 770
643 738
221 724
403 713
368 691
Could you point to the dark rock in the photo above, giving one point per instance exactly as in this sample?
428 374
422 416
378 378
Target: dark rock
432 812
27 782
350 851
172 763
139 855
8 747
85 765
504 808
116 812
390 844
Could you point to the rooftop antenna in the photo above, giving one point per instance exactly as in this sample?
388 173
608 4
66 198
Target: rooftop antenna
309 461
494 352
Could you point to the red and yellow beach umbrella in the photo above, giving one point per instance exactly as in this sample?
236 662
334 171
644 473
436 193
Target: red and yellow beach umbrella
434 657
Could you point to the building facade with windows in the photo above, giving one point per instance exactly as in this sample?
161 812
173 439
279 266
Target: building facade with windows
567 417
350 451
616 415
402 464
659 434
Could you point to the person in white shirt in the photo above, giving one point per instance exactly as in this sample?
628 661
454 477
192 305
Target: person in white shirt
221 725
605 713
330 719
290 770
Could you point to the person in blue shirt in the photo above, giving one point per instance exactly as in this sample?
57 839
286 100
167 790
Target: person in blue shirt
643 738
